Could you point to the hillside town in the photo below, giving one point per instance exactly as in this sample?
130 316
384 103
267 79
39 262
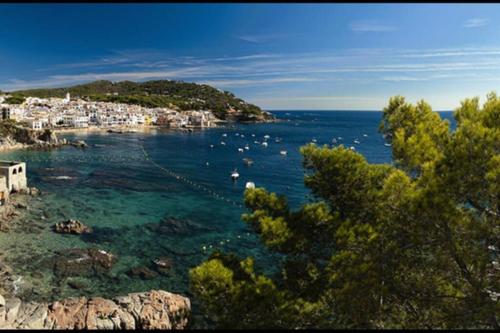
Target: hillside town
60 113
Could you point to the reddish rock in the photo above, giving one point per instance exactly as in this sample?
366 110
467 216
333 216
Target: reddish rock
71 227
156 309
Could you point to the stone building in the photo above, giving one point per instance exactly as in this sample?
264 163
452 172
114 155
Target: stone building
4 191
15 176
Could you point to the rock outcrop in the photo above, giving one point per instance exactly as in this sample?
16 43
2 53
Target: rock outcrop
82 262
156 309
71 227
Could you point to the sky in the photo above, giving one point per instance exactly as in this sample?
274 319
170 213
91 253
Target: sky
278 56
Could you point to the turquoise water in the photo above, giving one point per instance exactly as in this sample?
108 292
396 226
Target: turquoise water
112 187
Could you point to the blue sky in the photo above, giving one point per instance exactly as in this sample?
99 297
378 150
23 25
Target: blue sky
278 56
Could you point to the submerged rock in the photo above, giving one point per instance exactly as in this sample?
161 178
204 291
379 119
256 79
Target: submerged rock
71 227
163 264
156 309
171 226
76 284
142 272
83 262
79 144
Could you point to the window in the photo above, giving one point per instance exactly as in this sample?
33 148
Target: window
20 169
14 172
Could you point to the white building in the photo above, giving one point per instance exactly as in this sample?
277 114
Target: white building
34 123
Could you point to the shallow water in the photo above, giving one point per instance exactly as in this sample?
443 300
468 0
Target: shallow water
113 187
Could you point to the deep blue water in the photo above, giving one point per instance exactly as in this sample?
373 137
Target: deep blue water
112 187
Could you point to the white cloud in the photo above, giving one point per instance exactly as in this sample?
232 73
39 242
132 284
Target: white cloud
476 22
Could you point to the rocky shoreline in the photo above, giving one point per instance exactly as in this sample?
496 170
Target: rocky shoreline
155 309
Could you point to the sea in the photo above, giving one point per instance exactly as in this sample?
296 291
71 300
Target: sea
166 193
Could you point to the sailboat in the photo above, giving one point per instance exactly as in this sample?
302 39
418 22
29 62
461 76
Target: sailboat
235 174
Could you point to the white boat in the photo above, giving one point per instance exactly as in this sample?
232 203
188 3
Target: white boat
250 185
247 147
365 135
314 140
211 146
242 136
266 136
340 138
352 148
264 144
223 143
334 140
235 175
257 142
240 150
224 134
237 134
283 152
356 141
253 135
387 144
248 161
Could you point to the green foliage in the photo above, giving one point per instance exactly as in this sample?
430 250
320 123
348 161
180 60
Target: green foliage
15 99
412 245
160 93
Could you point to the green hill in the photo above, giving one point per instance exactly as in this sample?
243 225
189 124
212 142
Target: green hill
160 93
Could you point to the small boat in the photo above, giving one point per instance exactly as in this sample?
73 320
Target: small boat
250 185
340 138
365 135
257 142
253 135
278 140
224 134
234 175
356 142
334 140
352 148
387 144
247 147
264 144
240 150
211 146
237 134
314 140
247 161
283 152
266 136
223 143
242 136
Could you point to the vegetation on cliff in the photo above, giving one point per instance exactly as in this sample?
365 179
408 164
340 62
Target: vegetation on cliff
409 245
16 99
13 132
159 93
